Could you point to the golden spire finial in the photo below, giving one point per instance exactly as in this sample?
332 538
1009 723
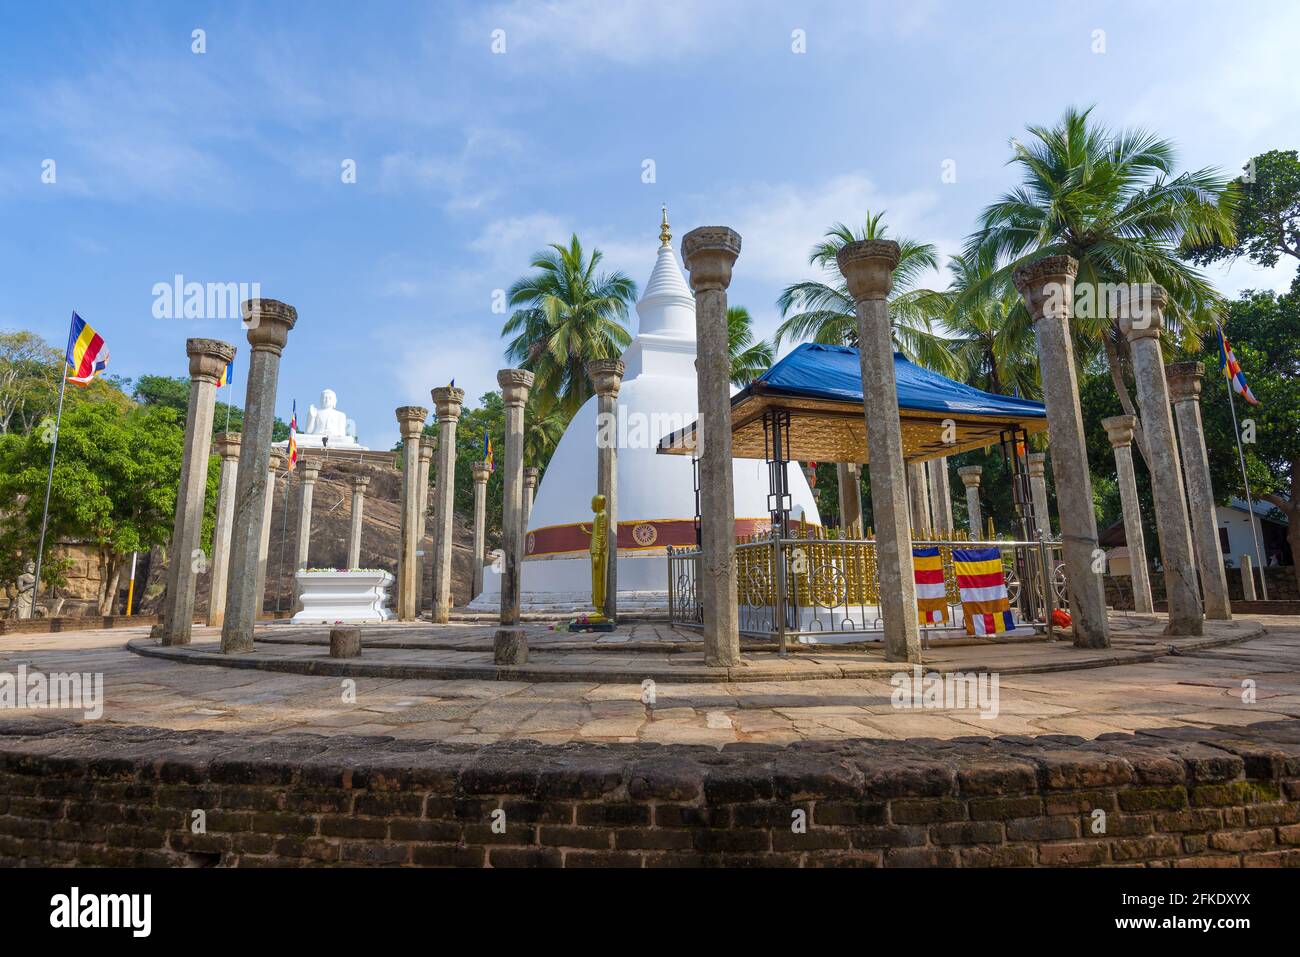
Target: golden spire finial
665 235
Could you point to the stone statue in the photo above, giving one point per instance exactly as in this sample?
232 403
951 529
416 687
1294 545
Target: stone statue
599 549
26 599
327 420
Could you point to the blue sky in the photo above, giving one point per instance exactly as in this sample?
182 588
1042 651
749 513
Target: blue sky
226 166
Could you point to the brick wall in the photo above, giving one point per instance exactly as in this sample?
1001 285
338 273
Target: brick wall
1282 587
127 796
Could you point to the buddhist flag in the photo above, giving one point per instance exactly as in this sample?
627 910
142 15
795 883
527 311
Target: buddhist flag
487 452
293 433
931 592
983 589
227 374
1229 366
87 355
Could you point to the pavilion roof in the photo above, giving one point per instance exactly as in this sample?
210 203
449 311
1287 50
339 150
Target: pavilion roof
821 387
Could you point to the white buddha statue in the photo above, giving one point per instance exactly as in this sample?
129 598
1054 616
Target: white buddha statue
328 426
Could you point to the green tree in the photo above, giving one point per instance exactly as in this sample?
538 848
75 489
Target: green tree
1113 202
570 314
173 392
749 358
824 311
1268 214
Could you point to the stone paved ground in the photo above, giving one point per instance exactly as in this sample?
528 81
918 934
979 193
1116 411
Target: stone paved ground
1202 689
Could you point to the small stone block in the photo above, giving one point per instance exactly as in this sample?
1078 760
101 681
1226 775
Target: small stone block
510 647
345 642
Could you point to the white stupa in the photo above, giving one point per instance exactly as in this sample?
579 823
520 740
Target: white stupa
656 493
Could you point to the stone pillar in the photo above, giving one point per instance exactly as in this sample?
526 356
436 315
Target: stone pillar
1184 380
268 324
1119 429
709 253
306 490
918 495
868 269
410 418
510 645
208 360
531 475
1141 318
359 485
422 506
849 477
1036 463
970 477
226 445
940 497
606 378
446 404
1247 579
273 465
1047 286
481 474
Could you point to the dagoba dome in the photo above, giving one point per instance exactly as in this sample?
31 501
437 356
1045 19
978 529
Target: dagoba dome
656 493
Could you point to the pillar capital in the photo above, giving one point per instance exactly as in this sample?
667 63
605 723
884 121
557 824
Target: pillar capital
1141 310
1185 380
481 472
531 475
970 475
208 358
1119 429
606 376
709 252
446 402
1037 464
515 384
360 483
426 451
310 469
226 445
868 267
268 322
1047 286
410 419
275 462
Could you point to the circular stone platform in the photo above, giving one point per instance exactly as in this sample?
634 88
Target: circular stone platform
657 651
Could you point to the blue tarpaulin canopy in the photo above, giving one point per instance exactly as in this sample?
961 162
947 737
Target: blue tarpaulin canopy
820 386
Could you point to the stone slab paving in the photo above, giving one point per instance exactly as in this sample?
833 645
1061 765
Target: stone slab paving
1191 689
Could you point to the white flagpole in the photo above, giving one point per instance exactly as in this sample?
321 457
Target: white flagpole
49 478
1241 458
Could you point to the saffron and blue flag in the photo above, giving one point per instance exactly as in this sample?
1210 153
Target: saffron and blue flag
487 452
293 436
1229 366
87 355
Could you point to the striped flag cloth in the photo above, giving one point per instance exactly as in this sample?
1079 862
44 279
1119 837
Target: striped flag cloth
983 589
487 453
931 592
227 374
293 433
87 355
1229 366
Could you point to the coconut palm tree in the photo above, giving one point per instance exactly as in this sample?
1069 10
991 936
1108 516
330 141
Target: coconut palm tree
823 311
570 315
1112 201
749 359
543 429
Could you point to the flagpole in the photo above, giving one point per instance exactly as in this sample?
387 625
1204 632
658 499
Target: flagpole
49 478
1241 458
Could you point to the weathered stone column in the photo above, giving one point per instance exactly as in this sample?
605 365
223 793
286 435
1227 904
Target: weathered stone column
849 477
359 485
446 405
940 497
510 645
208 359
709 253
868 269
606 378
970 477
422 560
1036 464
1184 380
410 418
1141 318
1047 287
268 323
310 471
531 475
918 495
226 445
1247 579
273 465
481 474
1119 429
